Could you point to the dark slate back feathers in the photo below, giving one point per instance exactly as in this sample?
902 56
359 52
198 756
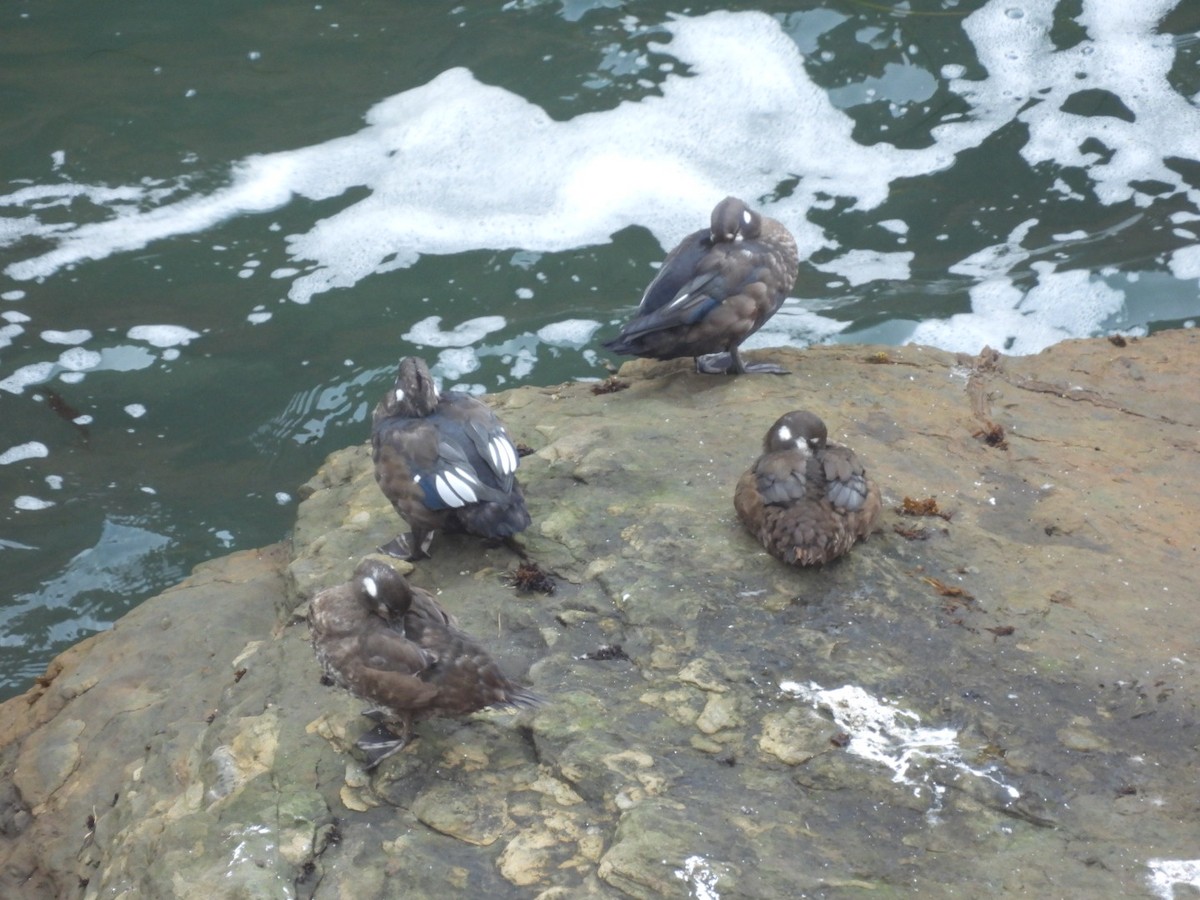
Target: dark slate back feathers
445 462
806 500
713 291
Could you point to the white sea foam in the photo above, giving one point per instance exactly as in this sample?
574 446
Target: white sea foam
794 326
1185 262
25 376
863 266
454 363
162 335
445 165
429 333
568 333
77 359
77 336
1124 56
1061 305
656 163
28 450
8 333
31 504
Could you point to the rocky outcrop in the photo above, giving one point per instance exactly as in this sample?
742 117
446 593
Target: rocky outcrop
995 693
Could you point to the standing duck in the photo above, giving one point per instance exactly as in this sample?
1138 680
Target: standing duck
393 646
445 462
714 290
808 501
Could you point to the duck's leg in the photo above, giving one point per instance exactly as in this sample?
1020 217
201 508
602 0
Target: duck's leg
731 364
516 547
714 364
378 744
381 741
764 368
411 546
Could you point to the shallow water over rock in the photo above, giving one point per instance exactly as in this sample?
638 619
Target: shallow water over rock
996 699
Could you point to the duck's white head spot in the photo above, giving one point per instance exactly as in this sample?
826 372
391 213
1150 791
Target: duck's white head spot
370 587
399 395
746 217
785 433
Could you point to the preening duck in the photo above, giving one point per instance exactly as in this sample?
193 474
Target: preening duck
718 287
444 461
392 645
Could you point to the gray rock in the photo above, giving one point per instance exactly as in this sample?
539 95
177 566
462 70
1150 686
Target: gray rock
1010 683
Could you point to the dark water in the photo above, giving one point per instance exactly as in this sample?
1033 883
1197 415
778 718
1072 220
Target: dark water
296 190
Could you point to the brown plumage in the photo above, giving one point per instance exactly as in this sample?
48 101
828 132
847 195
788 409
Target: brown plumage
392 645
808 501
445 462
713 291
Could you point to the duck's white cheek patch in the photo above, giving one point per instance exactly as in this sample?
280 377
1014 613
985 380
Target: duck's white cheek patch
399 395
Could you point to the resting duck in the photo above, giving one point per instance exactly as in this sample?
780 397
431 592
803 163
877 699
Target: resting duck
806 500
393 646
713 291
445 462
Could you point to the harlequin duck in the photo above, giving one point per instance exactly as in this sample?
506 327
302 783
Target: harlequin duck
713 291
445 462
808 501
392 645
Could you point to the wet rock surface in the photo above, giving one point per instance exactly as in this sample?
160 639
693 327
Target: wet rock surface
996 697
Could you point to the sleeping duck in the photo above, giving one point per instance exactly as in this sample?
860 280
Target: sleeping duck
806 500
445 462
713 291
393 646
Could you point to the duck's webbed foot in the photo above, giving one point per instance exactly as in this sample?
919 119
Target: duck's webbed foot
410 547
715 364
731 364
378 744
762 368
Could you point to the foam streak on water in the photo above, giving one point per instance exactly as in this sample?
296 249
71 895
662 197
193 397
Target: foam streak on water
448 165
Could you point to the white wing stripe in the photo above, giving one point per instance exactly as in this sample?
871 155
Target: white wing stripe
448 496
509 453
460 482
